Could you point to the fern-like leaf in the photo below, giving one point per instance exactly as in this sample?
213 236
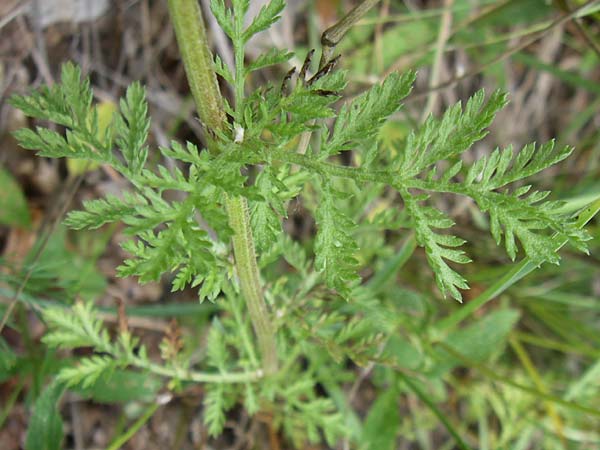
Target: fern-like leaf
224 16
87 371
103 211
438 140
74 328
222 69
522 214
214 408
360 120
132 125
502 167
266 17
334 245
438 247
266 224
271 58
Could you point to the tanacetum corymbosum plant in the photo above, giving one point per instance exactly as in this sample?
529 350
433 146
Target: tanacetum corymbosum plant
241 185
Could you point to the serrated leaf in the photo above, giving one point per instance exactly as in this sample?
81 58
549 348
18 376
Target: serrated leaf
189 154
250 400
156 254
224 71
167 180
87 371
69 104
46 104
215 344
271 58
361 120
240 8
522 215
519 218
334 246
75 327
183 278
103 211
437 140
266 17
212 283
307 105
104 111
502 167
77 92
266 224
425 219
132 126
224 16
48 143
214 408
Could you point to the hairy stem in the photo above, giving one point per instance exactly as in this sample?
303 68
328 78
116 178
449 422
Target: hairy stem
190 32
198 62
247 269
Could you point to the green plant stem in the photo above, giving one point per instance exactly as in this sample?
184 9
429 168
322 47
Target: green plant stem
197 377
190 32
198 62
122 439
388 177
425 398
240 77
245 336
247 269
